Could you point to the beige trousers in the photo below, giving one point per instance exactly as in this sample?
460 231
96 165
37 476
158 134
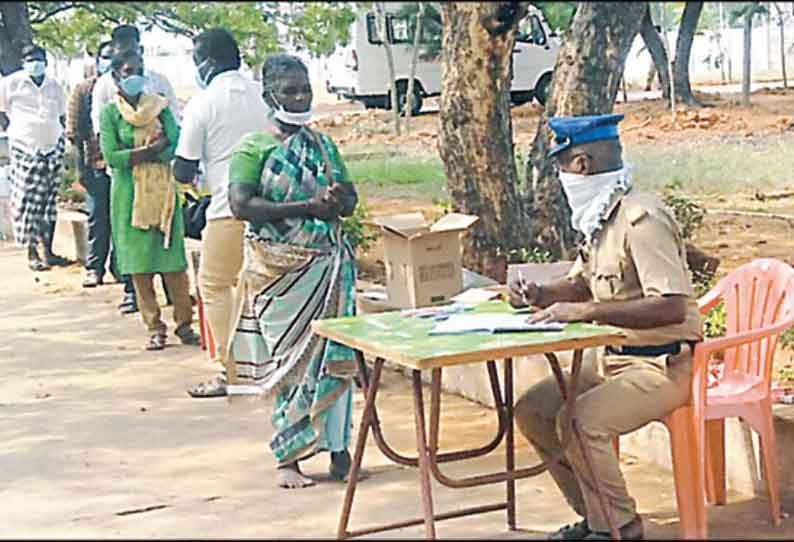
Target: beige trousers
644 390
178 286
221 262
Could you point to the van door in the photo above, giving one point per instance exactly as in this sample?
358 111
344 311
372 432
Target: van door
534 53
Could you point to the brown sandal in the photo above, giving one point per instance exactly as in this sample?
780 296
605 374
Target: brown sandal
156 342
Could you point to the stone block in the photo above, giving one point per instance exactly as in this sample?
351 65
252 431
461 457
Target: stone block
71 236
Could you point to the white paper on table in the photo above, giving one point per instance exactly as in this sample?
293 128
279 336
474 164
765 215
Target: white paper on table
475 296
491 323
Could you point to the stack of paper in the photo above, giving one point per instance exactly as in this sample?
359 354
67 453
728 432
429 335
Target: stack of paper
476 296
490 323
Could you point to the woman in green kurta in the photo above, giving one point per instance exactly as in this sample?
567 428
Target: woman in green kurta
138 135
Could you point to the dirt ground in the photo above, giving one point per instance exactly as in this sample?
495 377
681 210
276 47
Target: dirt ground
100 440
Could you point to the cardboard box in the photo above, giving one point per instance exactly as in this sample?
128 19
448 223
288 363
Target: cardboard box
423 262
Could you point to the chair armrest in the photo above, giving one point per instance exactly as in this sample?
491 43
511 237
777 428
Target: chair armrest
706 348
709 300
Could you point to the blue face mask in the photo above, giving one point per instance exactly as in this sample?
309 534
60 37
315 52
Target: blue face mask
132 85
103 65
34 68
202 80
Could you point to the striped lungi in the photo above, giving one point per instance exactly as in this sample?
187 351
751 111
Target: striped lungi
34 178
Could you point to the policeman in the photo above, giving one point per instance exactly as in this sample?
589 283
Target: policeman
631 272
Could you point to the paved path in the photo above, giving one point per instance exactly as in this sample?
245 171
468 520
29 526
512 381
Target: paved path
100 440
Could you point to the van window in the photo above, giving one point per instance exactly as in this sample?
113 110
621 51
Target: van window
372 30
400 30
530 30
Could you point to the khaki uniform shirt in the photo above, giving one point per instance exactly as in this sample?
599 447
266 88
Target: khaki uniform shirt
639 252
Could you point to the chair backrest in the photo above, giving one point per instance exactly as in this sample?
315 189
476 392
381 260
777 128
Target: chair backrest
756 295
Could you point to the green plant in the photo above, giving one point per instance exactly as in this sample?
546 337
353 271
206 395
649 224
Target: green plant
358 233
529 255
688 214
714 322
786 341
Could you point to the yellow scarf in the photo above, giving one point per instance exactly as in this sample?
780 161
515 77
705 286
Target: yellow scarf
153 200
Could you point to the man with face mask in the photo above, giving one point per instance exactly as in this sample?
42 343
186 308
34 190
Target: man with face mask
631 272
90 171
228 107
34 105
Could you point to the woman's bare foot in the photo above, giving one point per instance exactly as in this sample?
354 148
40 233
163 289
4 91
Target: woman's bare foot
290 477
340 467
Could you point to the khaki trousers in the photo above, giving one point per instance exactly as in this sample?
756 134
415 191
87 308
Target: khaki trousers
644 390
221 262
178 286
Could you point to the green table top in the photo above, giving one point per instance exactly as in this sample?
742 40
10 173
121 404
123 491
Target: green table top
404 339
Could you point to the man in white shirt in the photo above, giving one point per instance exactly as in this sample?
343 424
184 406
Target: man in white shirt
125 37
229 107
34 108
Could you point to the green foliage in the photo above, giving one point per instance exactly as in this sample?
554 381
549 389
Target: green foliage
70 28
786 341
358 233
558 15
737 11
714 322
688 214
526 255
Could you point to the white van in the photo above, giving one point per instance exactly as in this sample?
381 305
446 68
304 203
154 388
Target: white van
359 71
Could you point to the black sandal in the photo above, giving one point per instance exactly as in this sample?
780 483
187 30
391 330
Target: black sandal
155 342
55 260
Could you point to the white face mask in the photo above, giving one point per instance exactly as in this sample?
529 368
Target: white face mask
590 195
288 117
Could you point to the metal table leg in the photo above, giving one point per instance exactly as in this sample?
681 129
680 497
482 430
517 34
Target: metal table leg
510 452
421 449
366 420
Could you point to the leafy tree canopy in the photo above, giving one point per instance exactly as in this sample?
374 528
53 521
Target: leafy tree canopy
259 27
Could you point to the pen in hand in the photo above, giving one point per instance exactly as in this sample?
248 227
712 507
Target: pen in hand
523 285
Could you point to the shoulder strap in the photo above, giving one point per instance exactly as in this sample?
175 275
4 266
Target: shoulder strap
329 170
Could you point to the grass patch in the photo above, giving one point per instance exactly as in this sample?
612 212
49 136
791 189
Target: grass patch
714 166
400 177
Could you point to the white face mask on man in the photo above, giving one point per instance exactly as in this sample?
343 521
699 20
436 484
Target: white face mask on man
590 195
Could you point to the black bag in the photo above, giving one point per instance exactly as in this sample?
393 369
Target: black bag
194 214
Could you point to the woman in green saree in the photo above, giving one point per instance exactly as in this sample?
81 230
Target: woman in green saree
292 187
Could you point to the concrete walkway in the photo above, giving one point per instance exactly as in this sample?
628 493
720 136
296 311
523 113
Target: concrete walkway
100 440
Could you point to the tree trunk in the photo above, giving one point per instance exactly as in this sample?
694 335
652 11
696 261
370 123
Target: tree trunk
409 98
586 75
683 50
653 42
781 21
15 33
380 25
476 134
746 65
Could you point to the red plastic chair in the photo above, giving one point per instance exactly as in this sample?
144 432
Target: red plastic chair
759 306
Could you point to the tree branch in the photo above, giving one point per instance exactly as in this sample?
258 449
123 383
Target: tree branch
44 16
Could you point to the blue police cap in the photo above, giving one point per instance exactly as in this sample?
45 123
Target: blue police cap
569 131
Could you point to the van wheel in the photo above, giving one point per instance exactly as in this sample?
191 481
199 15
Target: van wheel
542 88
402 98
